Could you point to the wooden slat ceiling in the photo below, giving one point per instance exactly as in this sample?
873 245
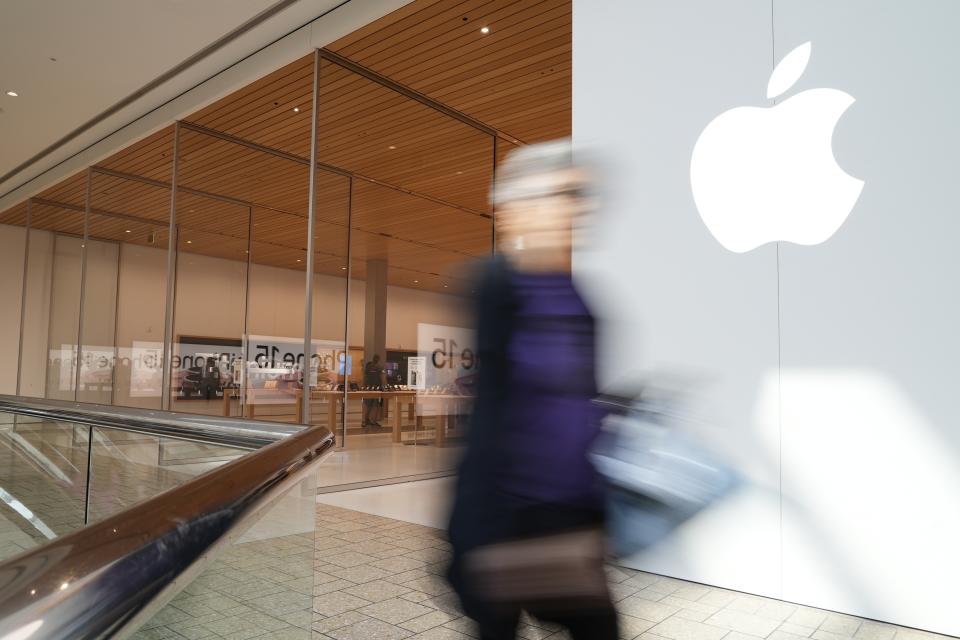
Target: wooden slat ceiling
421 178
516 78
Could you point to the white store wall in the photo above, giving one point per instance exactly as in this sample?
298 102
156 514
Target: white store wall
827 370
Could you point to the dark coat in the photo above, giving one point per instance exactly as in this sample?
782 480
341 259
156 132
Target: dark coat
481 513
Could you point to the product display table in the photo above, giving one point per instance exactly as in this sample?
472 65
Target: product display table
419 405
228 395
443 406
255 397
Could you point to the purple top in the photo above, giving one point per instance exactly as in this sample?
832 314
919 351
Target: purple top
551 421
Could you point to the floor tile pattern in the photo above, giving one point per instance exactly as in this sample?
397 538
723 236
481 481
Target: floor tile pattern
373 578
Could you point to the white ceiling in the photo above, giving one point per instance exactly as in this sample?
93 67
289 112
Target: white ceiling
104 51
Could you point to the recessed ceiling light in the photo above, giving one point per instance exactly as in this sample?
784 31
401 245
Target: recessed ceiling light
416 282
343 268
485 30
127 231
391 147
296 109
444 286
298 259
189 241
12 94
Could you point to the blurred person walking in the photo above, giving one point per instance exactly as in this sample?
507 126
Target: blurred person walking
527 522
374 379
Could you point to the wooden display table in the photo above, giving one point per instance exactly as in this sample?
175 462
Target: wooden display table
447 406
228 395
444 407
275 396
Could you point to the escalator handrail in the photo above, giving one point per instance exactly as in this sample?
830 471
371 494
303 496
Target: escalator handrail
108 578
229 432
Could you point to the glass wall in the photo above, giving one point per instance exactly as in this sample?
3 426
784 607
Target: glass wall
419 213
127 328
200 270
13 250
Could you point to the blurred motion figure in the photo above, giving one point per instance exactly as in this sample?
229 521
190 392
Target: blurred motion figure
527 522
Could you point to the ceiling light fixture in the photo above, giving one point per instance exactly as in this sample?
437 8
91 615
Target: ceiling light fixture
12 94
391 147
296 109
127 231
485 30
189 241
343 268
416 282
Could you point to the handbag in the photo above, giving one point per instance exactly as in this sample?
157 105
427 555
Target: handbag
547 572
657 475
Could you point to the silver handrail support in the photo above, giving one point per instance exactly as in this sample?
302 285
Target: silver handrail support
228 432
108 578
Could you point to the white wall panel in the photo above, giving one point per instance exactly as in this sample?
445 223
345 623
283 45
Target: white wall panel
863 391
648 76
871 439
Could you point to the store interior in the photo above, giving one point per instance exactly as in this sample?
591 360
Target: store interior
172 274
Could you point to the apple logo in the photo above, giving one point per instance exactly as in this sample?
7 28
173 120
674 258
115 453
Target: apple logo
764 174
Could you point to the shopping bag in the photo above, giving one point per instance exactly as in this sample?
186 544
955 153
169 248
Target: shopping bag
657 475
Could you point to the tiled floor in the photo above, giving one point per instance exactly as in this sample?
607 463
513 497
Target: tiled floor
374 578
362 576
425 502
260 589
376 457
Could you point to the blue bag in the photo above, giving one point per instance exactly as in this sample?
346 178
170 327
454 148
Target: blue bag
657 476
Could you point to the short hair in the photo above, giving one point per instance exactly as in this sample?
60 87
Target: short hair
530 160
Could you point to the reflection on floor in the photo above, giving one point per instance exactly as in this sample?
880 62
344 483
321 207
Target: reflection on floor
43 477
375 457
43 473
423 502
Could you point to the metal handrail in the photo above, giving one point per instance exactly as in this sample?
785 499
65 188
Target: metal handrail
108 578
229 432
